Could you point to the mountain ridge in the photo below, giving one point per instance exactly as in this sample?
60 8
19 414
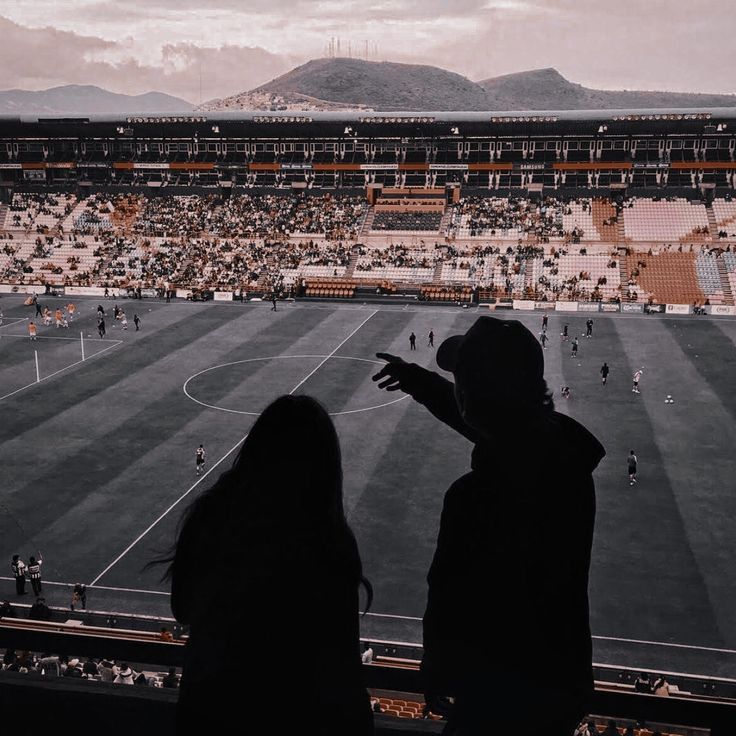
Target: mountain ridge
354 84
80 99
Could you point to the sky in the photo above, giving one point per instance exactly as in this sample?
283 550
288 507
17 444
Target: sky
202 49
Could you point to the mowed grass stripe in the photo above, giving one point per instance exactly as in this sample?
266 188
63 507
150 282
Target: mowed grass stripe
640 542
119 452
33 408
696 436
397 515
312 332
710 347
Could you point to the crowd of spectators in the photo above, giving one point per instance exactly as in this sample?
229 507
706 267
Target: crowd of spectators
476 216
91 668
398 256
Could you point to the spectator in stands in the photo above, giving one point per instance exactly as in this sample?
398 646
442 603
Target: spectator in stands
611 729
125 675
40 611
367 656
107 670
90 667
642 684
7 611
50 665
73 669
516 532
170 680
278 515
660 686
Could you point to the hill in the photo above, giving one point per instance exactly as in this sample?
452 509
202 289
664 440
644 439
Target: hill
333 84
354 84
82 99
547 89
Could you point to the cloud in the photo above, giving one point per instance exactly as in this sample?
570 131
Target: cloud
37 58
164 44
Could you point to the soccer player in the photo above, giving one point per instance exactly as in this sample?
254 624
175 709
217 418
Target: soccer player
200 457
564 334
58 316
71 308
604 373
136 322
412 341
32 330
101 326
543 339
46 316
631 465
545 319
565 391
637 378
273 302
430 344
123 320
574 353
589 327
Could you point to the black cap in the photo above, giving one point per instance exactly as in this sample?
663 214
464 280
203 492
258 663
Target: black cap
505 345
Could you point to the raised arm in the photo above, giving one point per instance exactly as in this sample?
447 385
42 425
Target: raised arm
426 387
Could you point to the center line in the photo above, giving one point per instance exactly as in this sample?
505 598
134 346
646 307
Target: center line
224 457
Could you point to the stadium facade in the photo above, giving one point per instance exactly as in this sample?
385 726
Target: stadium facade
604 149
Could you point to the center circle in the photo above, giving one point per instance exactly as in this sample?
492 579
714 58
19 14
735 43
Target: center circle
324 358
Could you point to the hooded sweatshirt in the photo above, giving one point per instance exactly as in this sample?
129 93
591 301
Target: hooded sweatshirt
507 606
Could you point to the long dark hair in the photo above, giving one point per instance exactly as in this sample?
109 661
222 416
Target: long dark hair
287 482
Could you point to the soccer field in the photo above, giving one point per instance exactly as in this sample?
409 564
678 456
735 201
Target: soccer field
98 459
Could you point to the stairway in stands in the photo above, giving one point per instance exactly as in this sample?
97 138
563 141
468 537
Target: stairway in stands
712 222
437 275
446 221
352 263
620 229
68 222
623 269
3 215
725 283
263 279
368 222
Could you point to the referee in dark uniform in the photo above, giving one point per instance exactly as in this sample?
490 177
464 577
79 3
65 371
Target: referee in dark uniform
34 573
19 573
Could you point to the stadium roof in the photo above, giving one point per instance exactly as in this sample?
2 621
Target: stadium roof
411 116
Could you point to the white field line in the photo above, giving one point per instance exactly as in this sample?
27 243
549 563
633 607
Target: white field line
15 321
224 457
115 343
96 587
46 337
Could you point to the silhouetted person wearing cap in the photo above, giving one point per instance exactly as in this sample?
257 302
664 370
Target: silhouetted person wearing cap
506 626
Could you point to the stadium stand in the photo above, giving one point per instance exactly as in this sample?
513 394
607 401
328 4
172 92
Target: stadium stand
672 219
725 216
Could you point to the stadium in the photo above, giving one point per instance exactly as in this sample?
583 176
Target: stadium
272 253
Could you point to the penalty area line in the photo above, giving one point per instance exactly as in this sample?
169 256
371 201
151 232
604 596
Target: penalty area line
223 458
61 370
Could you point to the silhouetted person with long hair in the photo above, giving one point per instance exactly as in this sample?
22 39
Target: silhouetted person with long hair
264 559
506 628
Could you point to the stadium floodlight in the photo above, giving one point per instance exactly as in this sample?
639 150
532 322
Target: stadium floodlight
602 128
